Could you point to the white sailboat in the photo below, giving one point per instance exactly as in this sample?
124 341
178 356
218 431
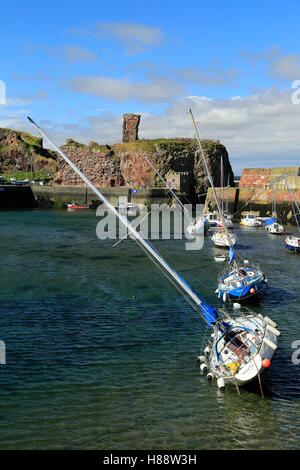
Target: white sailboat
224 238
239 280
272 225
243 344
198 225
292 243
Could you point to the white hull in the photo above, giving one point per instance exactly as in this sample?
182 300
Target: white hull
249 220
275 229
242 359
200 226
220 239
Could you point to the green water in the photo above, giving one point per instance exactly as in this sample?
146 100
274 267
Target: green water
101 349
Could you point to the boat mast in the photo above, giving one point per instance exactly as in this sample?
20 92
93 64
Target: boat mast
210 315
292 198
210 180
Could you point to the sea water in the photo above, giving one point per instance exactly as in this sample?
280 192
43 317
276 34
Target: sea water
101 349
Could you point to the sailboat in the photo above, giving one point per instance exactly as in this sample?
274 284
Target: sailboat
223 238
243 344
239 280
272 224
292 243
196 225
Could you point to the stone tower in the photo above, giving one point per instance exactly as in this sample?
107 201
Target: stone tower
131 127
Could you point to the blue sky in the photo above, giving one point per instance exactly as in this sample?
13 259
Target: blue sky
76 67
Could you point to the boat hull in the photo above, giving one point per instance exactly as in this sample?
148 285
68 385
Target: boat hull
245 356
292 244
247 290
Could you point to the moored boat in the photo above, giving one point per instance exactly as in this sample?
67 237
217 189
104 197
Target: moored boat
250 220
223 239
292 243
241 283
73 206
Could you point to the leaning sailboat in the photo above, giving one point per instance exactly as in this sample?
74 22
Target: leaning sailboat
243 344
239 280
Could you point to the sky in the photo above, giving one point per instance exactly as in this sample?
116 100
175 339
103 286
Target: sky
77 67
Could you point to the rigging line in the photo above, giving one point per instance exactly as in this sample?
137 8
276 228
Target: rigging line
185 286
170 189
195 307
131 231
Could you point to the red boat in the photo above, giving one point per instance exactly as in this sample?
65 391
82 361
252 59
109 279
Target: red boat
74 206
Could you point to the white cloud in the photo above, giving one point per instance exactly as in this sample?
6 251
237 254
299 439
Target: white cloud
135 38
69 54
159 90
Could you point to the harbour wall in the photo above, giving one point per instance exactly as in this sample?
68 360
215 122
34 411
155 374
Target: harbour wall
240 200
48 197
255 200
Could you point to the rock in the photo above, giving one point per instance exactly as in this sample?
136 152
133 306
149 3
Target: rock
19 150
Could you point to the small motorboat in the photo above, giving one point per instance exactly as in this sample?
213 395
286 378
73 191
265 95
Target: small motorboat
250 220
220 258
72 206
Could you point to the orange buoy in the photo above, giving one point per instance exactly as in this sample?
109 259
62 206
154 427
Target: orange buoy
252 290
266 362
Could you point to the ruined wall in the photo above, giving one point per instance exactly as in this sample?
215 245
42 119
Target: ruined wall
131 127
99 163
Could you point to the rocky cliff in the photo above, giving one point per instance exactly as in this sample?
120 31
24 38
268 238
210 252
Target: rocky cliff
173 156
21 152
121 164
99 163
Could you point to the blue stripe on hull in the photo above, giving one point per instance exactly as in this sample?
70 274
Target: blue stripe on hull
243 293
294 249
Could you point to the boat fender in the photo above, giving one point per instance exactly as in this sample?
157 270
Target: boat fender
216 291
201 358
252 290
207 350
270 343
210 376
273 330
203 367
270 322
221 383
236 306
266 362
266 281
224 297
